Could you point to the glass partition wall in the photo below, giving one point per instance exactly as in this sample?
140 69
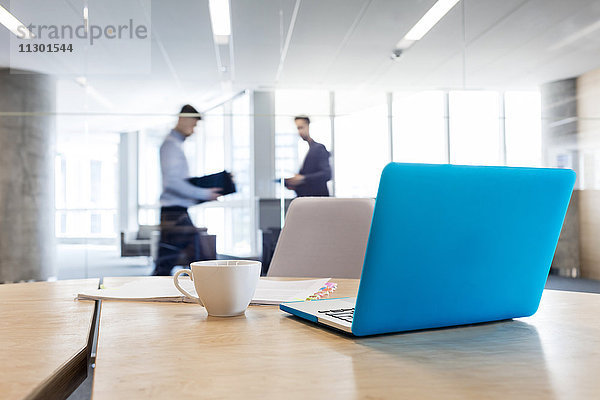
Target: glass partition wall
93 170
461 95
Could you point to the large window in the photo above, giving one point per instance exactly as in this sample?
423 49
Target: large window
225 143
523 129
240 157
361 143
209 144
240 235
419 127
475 128
86 185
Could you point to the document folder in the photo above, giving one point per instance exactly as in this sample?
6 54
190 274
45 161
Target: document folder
220 180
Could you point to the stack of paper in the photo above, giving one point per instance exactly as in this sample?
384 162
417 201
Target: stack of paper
163 290
275 292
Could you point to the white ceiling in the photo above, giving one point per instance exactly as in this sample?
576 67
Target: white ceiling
334 44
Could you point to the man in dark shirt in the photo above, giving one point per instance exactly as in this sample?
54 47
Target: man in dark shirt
316 171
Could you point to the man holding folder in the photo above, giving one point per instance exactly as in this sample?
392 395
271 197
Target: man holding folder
179 238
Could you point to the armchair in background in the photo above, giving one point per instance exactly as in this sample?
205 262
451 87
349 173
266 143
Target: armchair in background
146 242
136 244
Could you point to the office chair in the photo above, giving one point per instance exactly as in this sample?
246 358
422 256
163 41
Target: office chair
323 237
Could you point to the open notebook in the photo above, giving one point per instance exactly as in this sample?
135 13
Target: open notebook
163 290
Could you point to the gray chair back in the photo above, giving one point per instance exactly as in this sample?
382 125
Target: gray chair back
323 237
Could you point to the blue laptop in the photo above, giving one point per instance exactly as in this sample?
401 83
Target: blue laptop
452 245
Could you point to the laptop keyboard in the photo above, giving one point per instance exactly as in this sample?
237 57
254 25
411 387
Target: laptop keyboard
345 314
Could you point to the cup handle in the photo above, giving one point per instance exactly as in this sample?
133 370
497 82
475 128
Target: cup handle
182 290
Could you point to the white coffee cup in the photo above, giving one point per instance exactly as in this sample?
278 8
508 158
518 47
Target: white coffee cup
225 287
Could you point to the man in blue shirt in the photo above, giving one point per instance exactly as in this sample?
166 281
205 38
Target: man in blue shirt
316 171
179 238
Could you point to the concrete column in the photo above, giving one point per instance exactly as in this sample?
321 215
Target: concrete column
27 249
263 109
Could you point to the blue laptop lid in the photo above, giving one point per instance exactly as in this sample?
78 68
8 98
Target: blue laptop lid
453 245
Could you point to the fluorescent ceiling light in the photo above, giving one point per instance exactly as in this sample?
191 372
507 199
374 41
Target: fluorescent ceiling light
14 25
587 30
86 21
219 17
222 40
428 21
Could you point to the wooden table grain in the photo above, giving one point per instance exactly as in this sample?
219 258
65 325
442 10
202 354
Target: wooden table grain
151 350
44 338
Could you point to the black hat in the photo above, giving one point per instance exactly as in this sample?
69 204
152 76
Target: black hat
187 109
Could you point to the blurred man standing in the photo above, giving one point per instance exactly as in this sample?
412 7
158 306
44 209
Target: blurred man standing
179 238
316 171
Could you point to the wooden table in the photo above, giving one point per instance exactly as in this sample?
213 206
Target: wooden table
44 338
150 350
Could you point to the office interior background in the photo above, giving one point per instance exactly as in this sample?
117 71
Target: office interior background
513 83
